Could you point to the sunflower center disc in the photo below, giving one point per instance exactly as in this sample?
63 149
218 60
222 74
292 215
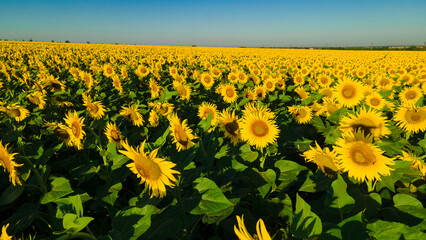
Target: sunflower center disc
259 128
75 128
148 169
413 116
229 92
115 136
181 136
361 154
375 101
348 91
411 95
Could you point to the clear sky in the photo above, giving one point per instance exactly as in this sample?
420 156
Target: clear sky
218 23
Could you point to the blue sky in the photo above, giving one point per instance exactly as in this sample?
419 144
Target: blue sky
217 23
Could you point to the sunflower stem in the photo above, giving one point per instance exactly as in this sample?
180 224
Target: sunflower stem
96 136
370 185
179 199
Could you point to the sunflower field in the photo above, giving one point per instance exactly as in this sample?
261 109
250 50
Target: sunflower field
150 142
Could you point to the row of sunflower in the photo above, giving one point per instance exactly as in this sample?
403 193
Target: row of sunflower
121 141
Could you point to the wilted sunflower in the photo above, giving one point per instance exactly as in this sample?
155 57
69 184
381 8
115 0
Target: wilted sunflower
113 134
75 129
182 134
323 158
38 98
155 88
18 112
369 121
375 100
4 235
243 234
229 93
349 92
410 95
207 80
302 114
155 172
230 123
96 109
154 120
208 108
8 163
411 118
184 91
360 158
132 114
258 129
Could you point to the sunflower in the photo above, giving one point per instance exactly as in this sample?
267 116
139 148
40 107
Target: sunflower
75 129
299 80
324 81
280 84
232 77
117 83
184 91
349 92
230 123
208 108
173 71
250 108
323 158
384 83
54 84
258 129
302 114
18 112
411 118
182 134
269 84
96 109
375 100
142 71
260 92
416 162
155 88
330 106
113 134
215 72
8 163
242 77
132 114
61 131
154 120
108 70
229 93
155 172
162 108
243 234
207 80
369 121
87 79
410 95
327 92
38 98
360 158
4 235
302 93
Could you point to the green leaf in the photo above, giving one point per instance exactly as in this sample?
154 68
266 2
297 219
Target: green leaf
338 198
161 140
269 176
212 198
317 182
205 124
302 144
77 204
350 228
60 188
306 224
131 223
74 224
79 91
247 154
11 194
337 115
289 171
383 230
